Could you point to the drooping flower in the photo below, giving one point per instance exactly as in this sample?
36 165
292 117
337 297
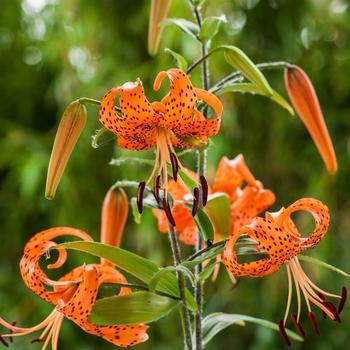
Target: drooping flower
304 99
231 175
74 294
278 237
175 122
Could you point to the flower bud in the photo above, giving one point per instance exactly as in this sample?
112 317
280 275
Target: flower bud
159 12
115 210
304 99
68 132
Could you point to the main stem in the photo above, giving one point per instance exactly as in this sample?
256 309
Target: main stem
201 157
185 316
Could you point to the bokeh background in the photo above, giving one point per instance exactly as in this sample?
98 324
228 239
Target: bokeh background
52 52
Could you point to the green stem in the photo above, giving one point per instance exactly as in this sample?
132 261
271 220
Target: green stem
85 100
206 249
185 317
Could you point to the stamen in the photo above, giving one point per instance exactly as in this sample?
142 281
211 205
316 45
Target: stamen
2 340
284 333
140 191
195 201
344 294
331 307
314 323
168 213
37 340
174 165
321 295
156 188
11 331
204 187
298 325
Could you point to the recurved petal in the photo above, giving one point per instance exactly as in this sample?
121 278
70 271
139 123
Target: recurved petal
69 129
304 99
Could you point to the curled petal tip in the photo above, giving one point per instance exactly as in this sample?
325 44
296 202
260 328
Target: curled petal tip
69 129
304 99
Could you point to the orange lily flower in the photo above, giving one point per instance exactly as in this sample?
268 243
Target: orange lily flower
304 99
75 293
230 176
277 236
172 123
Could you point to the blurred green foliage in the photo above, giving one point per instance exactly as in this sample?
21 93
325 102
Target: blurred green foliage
52 52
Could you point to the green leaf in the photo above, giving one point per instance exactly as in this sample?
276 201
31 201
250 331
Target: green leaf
135 211
204 224
138 307
207 271
323 264
253 89
136 265
164 272
240 61
186 26
216 322
205 256
180 60
188 181
218 208
210 27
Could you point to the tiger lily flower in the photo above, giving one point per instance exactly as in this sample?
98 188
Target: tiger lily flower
278 237
174 122
304 99
74 294
246 202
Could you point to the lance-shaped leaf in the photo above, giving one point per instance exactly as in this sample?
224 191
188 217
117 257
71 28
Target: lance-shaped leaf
180 60
136 265
159 12
68 132
135 308
304 99
240 61
186 26
210 27
216 322
219 211
253 89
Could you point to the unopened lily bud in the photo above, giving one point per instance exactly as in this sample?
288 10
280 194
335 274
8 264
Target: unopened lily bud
159 12
115 210
304 99
68 132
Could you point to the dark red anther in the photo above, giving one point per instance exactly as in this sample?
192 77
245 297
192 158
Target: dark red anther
168 213
209 242
284 333
298 326
321 295
331 307
344 295
204 186
37 340
156 188
139 199
314 322
174 165
11 331
2 340
195 201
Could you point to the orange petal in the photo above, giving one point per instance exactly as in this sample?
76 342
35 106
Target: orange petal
115 210
304 99
159 12
68 132
180 101
79 307
230 175
32 274
135 128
